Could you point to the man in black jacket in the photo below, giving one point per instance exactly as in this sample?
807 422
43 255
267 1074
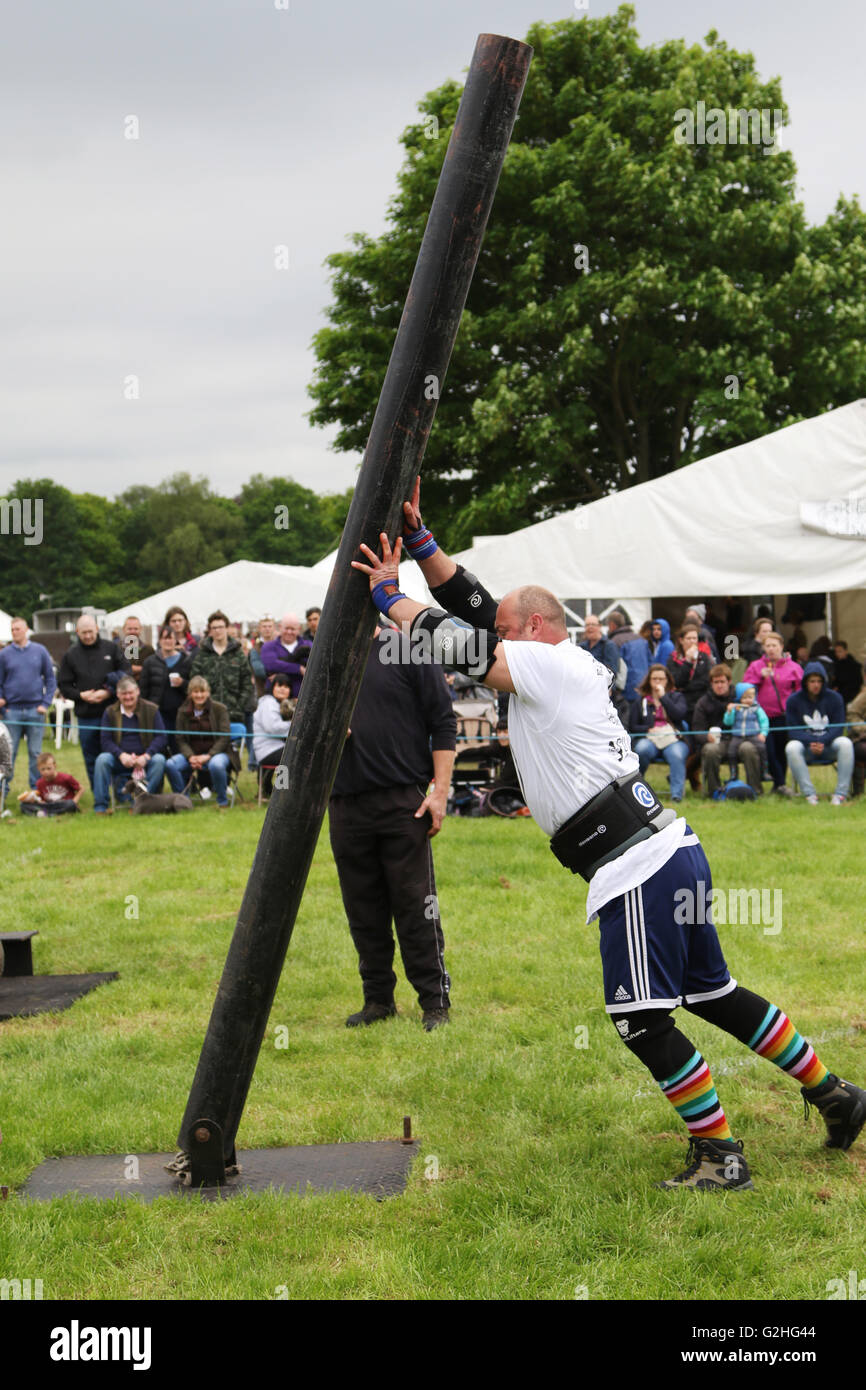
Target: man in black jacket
382 818
708 714
88 674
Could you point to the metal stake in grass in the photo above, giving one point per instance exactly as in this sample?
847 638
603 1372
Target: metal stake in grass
401 426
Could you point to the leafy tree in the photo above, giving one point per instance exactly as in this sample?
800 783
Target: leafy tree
288 524
639 302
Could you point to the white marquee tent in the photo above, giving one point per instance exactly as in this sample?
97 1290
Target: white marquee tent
5 626
245 590
782 514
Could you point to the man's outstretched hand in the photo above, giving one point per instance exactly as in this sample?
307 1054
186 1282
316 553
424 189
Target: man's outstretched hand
386 570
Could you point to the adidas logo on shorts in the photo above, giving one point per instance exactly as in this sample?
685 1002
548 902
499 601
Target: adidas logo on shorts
621 994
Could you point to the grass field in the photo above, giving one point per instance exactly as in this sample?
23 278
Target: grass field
546 1151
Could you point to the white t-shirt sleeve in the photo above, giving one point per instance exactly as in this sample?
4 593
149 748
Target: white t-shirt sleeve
531 666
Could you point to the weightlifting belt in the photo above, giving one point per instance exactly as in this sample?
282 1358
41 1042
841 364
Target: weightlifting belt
619 816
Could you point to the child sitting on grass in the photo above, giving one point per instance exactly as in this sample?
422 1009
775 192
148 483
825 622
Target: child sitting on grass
55 792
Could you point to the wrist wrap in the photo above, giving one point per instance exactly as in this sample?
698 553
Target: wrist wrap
420 544
380 596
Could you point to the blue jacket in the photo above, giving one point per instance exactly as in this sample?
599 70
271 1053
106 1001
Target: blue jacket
604 651
26 675
636 654
665 647
815 721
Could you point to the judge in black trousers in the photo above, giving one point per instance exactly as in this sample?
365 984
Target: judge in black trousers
382 819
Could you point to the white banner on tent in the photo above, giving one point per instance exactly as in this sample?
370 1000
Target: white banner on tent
837 516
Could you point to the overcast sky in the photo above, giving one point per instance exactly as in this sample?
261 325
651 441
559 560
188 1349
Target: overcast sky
257 126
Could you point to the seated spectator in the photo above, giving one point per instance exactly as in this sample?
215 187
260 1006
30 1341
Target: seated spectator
633 650
133 650
177 620
220 659
203 736
821 651
749 726
712 747
849 672
133 739
55 792
164 678
659 642
271 723
775 677
27 686
696 615
312 616
753 648
816 716
857 731
689 668
657 713
287 655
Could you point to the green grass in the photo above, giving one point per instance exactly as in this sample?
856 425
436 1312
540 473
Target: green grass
546 1152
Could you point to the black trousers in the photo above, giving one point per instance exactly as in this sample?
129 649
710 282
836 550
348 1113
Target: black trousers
386 872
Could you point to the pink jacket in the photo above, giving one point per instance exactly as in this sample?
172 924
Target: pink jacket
788 677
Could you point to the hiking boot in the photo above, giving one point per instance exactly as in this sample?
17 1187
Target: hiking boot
843 1107
371 1013
434 1018
713 1164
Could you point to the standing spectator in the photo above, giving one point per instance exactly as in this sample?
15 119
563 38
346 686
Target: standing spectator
753 648
220 659
660 644
203 742
271 727
822 652
599 646
88 675
849 672
657 713
312 616
133 737
27 687
132 649
287 654
164 678
697 613
689 668
177 620
382 818
775 676
633 650
816 718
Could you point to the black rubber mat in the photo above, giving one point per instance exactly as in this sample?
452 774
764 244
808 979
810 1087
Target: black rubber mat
380 1169
21 996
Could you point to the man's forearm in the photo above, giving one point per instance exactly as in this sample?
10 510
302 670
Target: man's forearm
438 569
443 764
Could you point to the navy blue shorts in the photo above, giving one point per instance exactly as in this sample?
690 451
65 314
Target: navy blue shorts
659 947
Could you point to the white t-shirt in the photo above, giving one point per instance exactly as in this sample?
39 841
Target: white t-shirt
568 745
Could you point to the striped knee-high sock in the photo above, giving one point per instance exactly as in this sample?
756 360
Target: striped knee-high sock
778 1040
692 1094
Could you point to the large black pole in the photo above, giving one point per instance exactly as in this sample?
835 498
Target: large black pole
422 351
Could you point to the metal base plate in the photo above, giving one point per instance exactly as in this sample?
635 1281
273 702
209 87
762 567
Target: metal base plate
21 996
381 1169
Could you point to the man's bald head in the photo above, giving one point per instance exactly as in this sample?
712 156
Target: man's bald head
531 614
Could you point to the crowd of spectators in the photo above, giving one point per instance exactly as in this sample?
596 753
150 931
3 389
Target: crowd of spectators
186 709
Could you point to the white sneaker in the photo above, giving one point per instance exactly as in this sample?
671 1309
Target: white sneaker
837 799
811 801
